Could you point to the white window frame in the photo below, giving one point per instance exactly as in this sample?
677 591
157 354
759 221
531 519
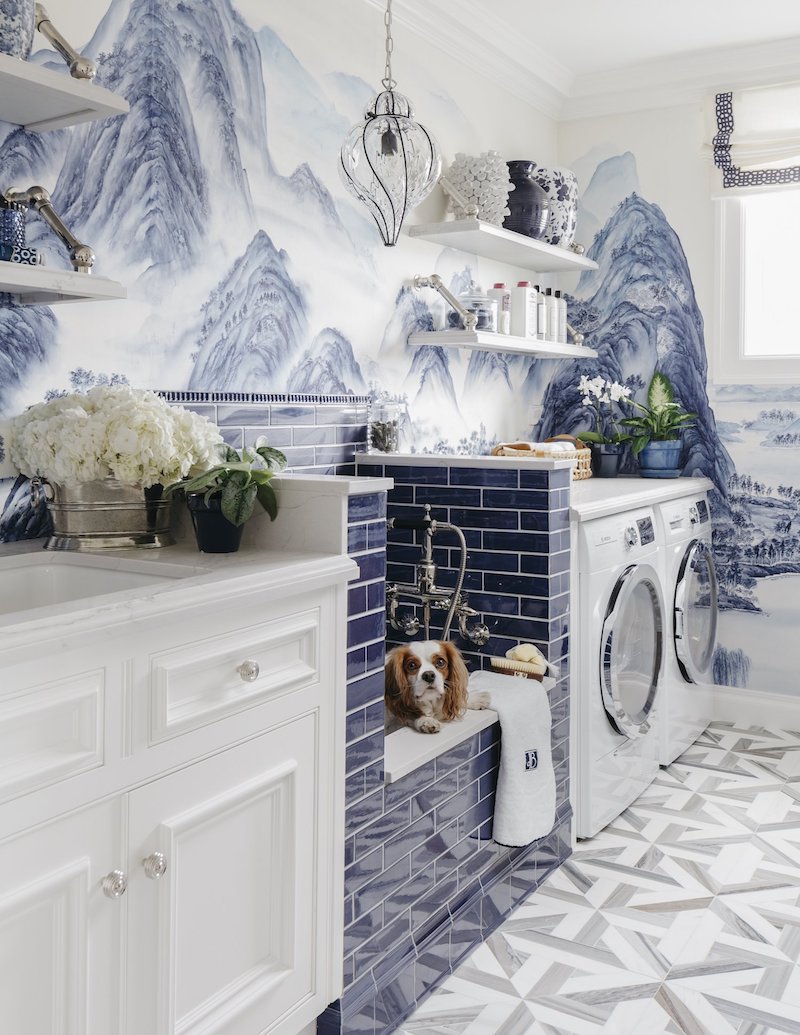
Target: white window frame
729 363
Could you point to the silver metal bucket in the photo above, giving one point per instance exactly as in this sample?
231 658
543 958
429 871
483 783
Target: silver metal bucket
106 515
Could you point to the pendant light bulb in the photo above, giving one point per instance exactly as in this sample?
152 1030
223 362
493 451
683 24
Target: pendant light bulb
389 162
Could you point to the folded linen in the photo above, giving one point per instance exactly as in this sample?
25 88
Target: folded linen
525 803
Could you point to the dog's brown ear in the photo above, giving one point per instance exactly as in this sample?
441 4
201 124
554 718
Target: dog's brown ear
395 693
456 685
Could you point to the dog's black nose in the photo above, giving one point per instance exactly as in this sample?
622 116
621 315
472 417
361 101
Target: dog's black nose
429 677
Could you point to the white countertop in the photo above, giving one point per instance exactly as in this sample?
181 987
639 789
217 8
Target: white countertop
535 463
599 497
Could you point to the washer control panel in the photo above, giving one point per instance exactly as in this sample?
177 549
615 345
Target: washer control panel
647 533
620 538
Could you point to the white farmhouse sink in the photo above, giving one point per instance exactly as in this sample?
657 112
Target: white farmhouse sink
34 580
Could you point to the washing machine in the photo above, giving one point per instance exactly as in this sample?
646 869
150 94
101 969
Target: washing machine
690 587
618 644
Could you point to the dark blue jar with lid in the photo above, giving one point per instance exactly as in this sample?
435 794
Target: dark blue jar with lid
528 203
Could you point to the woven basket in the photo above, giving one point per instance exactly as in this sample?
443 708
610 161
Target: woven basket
581 454
522 669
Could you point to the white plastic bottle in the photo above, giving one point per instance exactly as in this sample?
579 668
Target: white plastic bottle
561 312
552 315
523 310
502 295
541 317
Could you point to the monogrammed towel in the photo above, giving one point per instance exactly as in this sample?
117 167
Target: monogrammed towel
525 804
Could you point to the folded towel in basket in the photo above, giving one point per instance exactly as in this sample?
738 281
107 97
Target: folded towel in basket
525 804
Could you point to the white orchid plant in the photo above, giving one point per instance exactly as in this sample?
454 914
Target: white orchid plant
602 396
112 431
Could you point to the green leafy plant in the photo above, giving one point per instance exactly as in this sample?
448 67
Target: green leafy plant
240 478
661 419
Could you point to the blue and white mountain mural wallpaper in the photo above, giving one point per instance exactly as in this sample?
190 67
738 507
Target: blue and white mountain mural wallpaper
217 203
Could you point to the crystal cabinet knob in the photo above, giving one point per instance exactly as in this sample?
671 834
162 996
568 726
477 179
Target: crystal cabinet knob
248 670
155 865
114 884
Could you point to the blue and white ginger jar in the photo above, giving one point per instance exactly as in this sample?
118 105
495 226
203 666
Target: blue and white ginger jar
561 188
17 24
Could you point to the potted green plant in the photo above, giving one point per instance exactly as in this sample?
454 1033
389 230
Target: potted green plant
656 430
223 497
606 441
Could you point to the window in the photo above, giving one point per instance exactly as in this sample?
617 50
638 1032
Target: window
758 325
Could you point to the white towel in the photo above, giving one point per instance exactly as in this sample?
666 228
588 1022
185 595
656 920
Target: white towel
525 805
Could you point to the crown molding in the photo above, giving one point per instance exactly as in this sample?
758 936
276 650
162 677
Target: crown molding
685 79
458 38
533 75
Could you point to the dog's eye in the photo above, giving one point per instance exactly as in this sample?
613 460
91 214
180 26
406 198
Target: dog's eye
412 666
440 663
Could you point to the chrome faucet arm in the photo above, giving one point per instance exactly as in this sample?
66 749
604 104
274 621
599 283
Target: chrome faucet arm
80 67
38 198
435 281
577 337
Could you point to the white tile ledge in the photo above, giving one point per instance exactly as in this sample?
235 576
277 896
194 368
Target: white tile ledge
406 750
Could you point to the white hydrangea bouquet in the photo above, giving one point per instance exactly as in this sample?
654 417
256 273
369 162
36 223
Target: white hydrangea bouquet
112 431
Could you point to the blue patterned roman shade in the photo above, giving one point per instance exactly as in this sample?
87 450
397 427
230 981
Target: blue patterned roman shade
756 142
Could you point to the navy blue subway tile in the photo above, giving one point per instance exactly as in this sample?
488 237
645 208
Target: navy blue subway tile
456 805
429 797
478 560
314 436
356 662
408 785
535 479
362 928
408 894
376 654
366 628
375 717
395 1000
357 538
433 475
407 840
299 456
369 470
457 755
366 690
365 810
431 920
519 585
521 628
335 454
381 829
494 603
337 413
544 521
383 884
477 766
373 777
432 966
354 787
364 752
445 496
357 600
371 565
519 499
455 856
490 736
355 725
376 595
244 415
500 478
376 535
361 872
520 542
369 507
234 437
483 519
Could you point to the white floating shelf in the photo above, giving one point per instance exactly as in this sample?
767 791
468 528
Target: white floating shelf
495 242
35 285
39 98
489 342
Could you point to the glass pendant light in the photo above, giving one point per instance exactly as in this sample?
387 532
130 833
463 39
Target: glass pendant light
390 162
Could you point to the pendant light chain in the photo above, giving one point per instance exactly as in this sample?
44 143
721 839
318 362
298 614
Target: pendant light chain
388 82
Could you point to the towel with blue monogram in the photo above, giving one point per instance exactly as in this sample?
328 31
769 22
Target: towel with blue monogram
525 804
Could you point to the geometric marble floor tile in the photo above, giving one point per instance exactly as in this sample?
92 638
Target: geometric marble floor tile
682 917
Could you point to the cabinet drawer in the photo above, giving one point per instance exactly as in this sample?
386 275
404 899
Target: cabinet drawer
206 680
51 732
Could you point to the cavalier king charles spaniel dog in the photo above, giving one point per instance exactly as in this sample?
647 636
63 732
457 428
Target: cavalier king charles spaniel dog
426 685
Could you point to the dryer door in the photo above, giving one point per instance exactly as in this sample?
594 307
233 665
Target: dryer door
696 612
631 650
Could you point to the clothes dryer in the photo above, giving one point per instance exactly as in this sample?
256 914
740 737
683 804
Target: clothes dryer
690 586
618 639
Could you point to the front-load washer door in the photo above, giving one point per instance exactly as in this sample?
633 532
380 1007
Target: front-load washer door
696 612
631 651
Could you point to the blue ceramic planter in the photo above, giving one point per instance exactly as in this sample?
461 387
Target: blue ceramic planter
660 460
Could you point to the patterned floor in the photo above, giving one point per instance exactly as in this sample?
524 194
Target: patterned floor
681 917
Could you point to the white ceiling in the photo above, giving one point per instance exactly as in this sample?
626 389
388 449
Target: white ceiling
576 58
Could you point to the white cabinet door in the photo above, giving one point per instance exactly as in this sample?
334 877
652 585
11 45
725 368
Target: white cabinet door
59 934
223 941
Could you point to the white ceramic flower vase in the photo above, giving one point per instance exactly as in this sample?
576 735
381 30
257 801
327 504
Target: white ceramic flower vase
17 24
561 187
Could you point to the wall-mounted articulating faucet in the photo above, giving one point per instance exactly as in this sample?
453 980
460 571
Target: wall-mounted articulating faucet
427 593
80 67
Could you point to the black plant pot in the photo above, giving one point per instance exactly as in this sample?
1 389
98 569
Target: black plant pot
606 459
213 531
